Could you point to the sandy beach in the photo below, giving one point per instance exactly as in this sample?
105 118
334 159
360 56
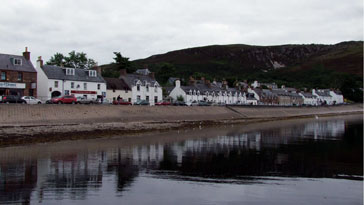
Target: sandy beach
23 124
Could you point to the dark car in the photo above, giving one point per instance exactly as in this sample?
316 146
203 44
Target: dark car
179 103
203 103
141 102
67 99
12 99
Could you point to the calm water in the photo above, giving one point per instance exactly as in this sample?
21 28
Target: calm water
313 161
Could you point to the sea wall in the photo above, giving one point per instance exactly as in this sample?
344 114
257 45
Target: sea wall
23 115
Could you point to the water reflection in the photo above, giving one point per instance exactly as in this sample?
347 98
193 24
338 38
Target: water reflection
327 148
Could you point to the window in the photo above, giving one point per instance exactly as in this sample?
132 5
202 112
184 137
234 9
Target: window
20 76
155 99
3 75
138 97
147 98
129 99
92 73
138 87
70 71
17 61
98 86
147 86
155 88
72 85
56 84
85 86
66 92
113 90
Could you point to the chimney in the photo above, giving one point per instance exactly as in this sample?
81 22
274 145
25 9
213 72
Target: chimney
123 72
98 69
203 79
152 75
192 81
178 83
39 62
26 54
208 83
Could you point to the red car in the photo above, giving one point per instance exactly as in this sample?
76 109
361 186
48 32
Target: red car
67 99
121 102
163 103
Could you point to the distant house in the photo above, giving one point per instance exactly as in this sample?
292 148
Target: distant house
328 97
17 75
203 90
286 98
54 81
309 99
116 87
144 71
143 86
323 96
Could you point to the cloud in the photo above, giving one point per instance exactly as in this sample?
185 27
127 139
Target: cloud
142 28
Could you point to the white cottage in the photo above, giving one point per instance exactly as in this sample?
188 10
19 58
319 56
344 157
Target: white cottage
54 81
143 87
309 99
209 92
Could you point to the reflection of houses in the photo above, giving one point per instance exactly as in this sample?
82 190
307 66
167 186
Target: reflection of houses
204 90
322 130
56 81
17 75
17 182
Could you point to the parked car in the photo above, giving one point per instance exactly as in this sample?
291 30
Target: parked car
104 101
203 103
163 103
83 100
194 103
67 99
179 103
31 100
121 102
12 99
141 102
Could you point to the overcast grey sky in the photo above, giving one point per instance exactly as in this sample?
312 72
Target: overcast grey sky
140 28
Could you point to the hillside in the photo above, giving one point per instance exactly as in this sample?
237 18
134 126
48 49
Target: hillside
308 66
237 60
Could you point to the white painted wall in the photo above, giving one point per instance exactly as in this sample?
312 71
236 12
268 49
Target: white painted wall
154 91
125 95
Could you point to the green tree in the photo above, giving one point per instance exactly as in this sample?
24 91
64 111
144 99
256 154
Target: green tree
73 60
123 63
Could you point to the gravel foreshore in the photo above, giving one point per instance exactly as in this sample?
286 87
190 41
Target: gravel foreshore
22 124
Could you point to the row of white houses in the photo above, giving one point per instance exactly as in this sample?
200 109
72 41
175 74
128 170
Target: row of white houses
221 94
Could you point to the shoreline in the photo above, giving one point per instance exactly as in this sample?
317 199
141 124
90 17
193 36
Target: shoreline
30 133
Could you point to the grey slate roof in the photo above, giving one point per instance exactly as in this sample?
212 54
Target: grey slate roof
56 72
6 63
323 93
308 95
144 71
116 84
131 79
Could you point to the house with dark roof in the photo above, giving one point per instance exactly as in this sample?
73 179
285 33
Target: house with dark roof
328 97
143 86
309 98
54 81
117 88
17 75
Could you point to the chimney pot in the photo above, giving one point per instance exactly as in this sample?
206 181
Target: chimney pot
26 54
40 62
123 72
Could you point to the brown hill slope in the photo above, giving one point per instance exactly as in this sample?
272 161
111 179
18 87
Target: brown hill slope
236 59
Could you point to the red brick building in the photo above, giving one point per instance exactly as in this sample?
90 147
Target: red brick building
17 75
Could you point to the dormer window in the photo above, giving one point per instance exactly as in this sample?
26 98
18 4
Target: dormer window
17 61
92 73
70 71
